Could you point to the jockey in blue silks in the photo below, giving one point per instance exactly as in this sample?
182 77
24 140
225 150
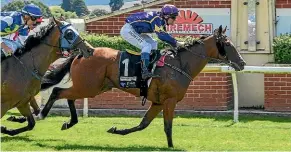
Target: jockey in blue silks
15 27
139 25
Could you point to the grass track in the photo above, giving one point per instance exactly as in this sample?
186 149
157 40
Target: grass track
189 133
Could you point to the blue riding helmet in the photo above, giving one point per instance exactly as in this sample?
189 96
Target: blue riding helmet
169 10
32 10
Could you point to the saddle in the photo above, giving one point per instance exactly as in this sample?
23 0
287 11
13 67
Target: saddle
130 70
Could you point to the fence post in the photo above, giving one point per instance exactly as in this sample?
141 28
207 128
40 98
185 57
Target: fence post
85 108
235 93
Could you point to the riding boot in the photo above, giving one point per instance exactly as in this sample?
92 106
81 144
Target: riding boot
144 66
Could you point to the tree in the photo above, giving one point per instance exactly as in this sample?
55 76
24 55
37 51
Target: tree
115 4
67 5
17 5
98 12
57 11
80 8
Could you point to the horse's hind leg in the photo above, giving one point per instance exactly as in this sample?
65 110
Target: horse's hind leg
22 119
152 112
25 111
74 116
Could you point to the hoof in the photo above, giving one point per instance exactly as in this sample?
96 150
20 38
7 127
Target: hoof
11 118
38 117
3 129
112 130
65 126
36 112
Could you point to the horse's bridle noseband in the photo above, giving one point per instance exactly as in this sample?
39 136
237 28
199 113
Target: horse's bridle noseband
218 42
62 48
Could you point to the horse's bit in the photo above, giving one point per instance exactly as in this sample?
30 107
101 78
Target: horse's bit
199 55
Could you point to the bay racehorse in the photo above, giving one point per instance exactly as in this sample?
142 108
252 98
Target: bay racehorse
100 73
21 75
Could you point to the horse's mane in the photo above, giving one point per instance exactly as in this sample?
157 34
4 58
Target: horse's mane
34 40
191 42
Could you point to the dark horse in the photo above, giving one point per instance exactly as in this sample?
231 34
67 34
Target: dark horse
100 73
21 76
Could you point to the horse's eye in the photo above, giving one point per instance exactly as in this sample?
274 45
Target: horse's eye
69 34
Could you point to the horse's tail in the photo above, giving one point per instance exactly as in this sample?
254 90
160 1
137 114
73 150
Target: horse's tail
56 75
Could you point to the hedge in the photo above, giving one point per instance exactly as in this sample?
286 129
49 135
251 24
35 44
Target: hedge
282 49
281 45
118 43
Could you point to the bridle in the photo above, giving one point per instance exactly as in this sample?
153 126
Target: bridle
220 41
70 45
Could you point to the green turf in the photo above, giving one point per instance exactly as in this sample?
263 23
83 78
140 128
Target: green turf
189 133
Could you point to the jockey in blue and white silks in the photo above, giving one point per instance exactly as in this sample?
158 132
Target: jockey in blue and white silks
15 27
139 25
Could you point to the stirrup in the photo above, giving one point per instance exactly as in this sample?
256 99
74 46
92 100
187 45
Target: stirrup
146 74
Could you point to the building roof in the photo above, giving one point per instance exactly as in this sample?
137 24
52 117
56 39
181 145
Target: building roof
107 7
142 6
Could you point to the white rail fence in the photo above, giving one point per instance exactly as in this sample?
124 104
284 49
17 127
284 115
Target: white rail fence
227 69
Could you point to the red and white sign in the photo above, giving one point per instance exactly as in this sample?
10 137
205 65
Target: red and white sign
189 22
198 21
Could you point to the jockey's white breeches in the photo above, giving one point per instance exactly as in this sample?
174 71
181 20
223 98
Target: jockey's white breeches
142 41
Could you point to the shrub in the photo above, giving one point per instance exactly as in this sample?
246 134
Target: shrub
57 11
118 43
282 49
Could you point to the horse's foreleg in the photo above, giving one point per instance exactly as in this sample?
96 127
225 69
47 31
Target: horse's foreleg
59 93
152 112
25 111
34 106
74 116
168 113
53 97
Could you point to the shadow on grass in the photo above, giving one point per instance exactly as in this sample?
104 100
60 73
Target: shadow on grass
16 138
228 117
243 118
107 148
24 138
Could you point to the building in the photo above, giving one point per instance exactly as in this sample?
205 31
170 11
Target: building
252 26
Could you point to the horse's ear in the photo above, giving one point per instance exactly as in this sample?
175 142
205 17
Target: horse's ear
220 29
224 30
57 21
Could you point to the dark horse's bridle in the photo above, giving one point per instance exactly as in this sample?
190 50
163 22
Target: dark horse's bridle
220 42
72 46
66 35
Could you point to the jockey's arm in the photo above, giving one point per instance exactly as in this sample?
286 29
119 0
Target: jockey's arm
161 33
164 36
6 22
